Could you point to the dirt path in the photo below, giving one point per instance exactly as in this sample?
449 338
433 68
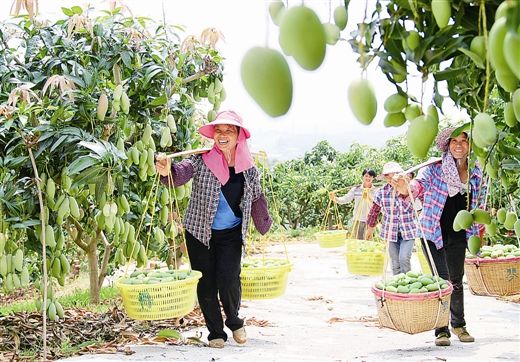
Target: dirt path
327 314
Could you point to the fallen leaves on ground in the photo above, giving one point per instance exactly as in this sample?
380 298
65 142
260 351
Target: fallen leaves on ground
87 331
258 322
318 297
367 320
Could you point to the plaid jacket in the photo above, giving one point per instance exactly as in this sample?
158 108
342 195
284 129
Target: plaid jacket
401 220
432 190
203 203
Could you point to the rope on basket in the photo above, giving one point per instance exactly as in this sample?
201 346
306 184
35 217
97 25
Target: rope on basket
262 157
429 255
170 206
435 272
339 224
364 205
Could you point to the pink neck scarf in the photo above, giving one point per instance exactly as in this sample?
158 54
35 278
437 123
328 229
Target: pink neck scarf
216 161
451 175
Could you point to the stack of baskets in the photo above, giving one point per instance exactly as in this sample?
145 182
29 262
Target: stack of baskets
365 257
171 297
264 278
413 313
493 277
331 238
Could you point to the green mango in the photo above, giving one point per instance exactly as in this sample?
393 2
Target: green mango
413 39
403 289
501 215
276 10
303 36
516 103
341 17
509 115
474 244
512 51
362 101
510 221
331 33
463 220
481 216
478 46
267 78
516 226
484 130
441 12
421 133
495 48
507 80
394 119
491 229
412 111
395 103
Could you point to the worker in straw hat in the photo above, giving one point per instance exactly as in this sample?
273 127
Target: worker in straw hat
398 226
445 188
226 194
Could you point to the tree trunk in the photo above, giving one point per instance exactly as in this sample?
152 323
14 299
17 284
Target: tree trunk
92 256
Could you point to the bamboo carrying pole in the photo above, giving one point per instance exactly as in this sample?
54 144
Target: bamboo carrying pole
188 152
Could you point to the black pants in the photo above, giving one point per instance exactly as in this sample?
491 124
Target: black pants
449 261
220 268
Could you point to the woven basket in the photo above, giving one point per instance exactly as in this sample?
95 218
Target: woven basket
493 277
264 282
331 238
159 301
413 313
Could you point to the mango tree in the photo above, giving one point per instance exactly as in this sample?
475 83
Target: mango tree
464 50
85 103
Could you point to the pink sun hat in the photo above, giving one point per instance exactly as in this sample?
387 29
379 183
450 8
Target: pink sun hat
224 117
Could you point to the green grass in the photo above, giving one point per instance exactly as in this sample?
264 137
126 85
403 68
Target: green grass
79 298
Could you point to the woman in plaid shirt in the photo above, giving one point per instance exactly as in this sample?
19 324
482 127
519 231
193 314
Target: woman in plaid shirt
445 188
226 194
398 226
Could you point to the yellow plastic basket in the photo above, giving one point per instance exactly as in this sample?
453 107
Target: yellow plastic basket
264 282
331 238
159 301
364 257
365 263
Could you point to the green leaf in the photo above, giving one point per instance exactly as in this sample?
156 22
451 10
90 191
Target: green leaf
26 224
97 148
475 57
77 10
67 11
448 73
169 333
80 164
510 164
159 101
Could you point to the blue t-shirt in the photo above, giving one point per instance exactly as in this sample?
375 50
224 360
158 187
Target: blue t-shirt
228 213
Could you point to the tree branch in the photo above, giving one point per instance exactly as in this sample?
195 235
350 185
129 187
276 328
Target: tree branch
106 258
78 240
